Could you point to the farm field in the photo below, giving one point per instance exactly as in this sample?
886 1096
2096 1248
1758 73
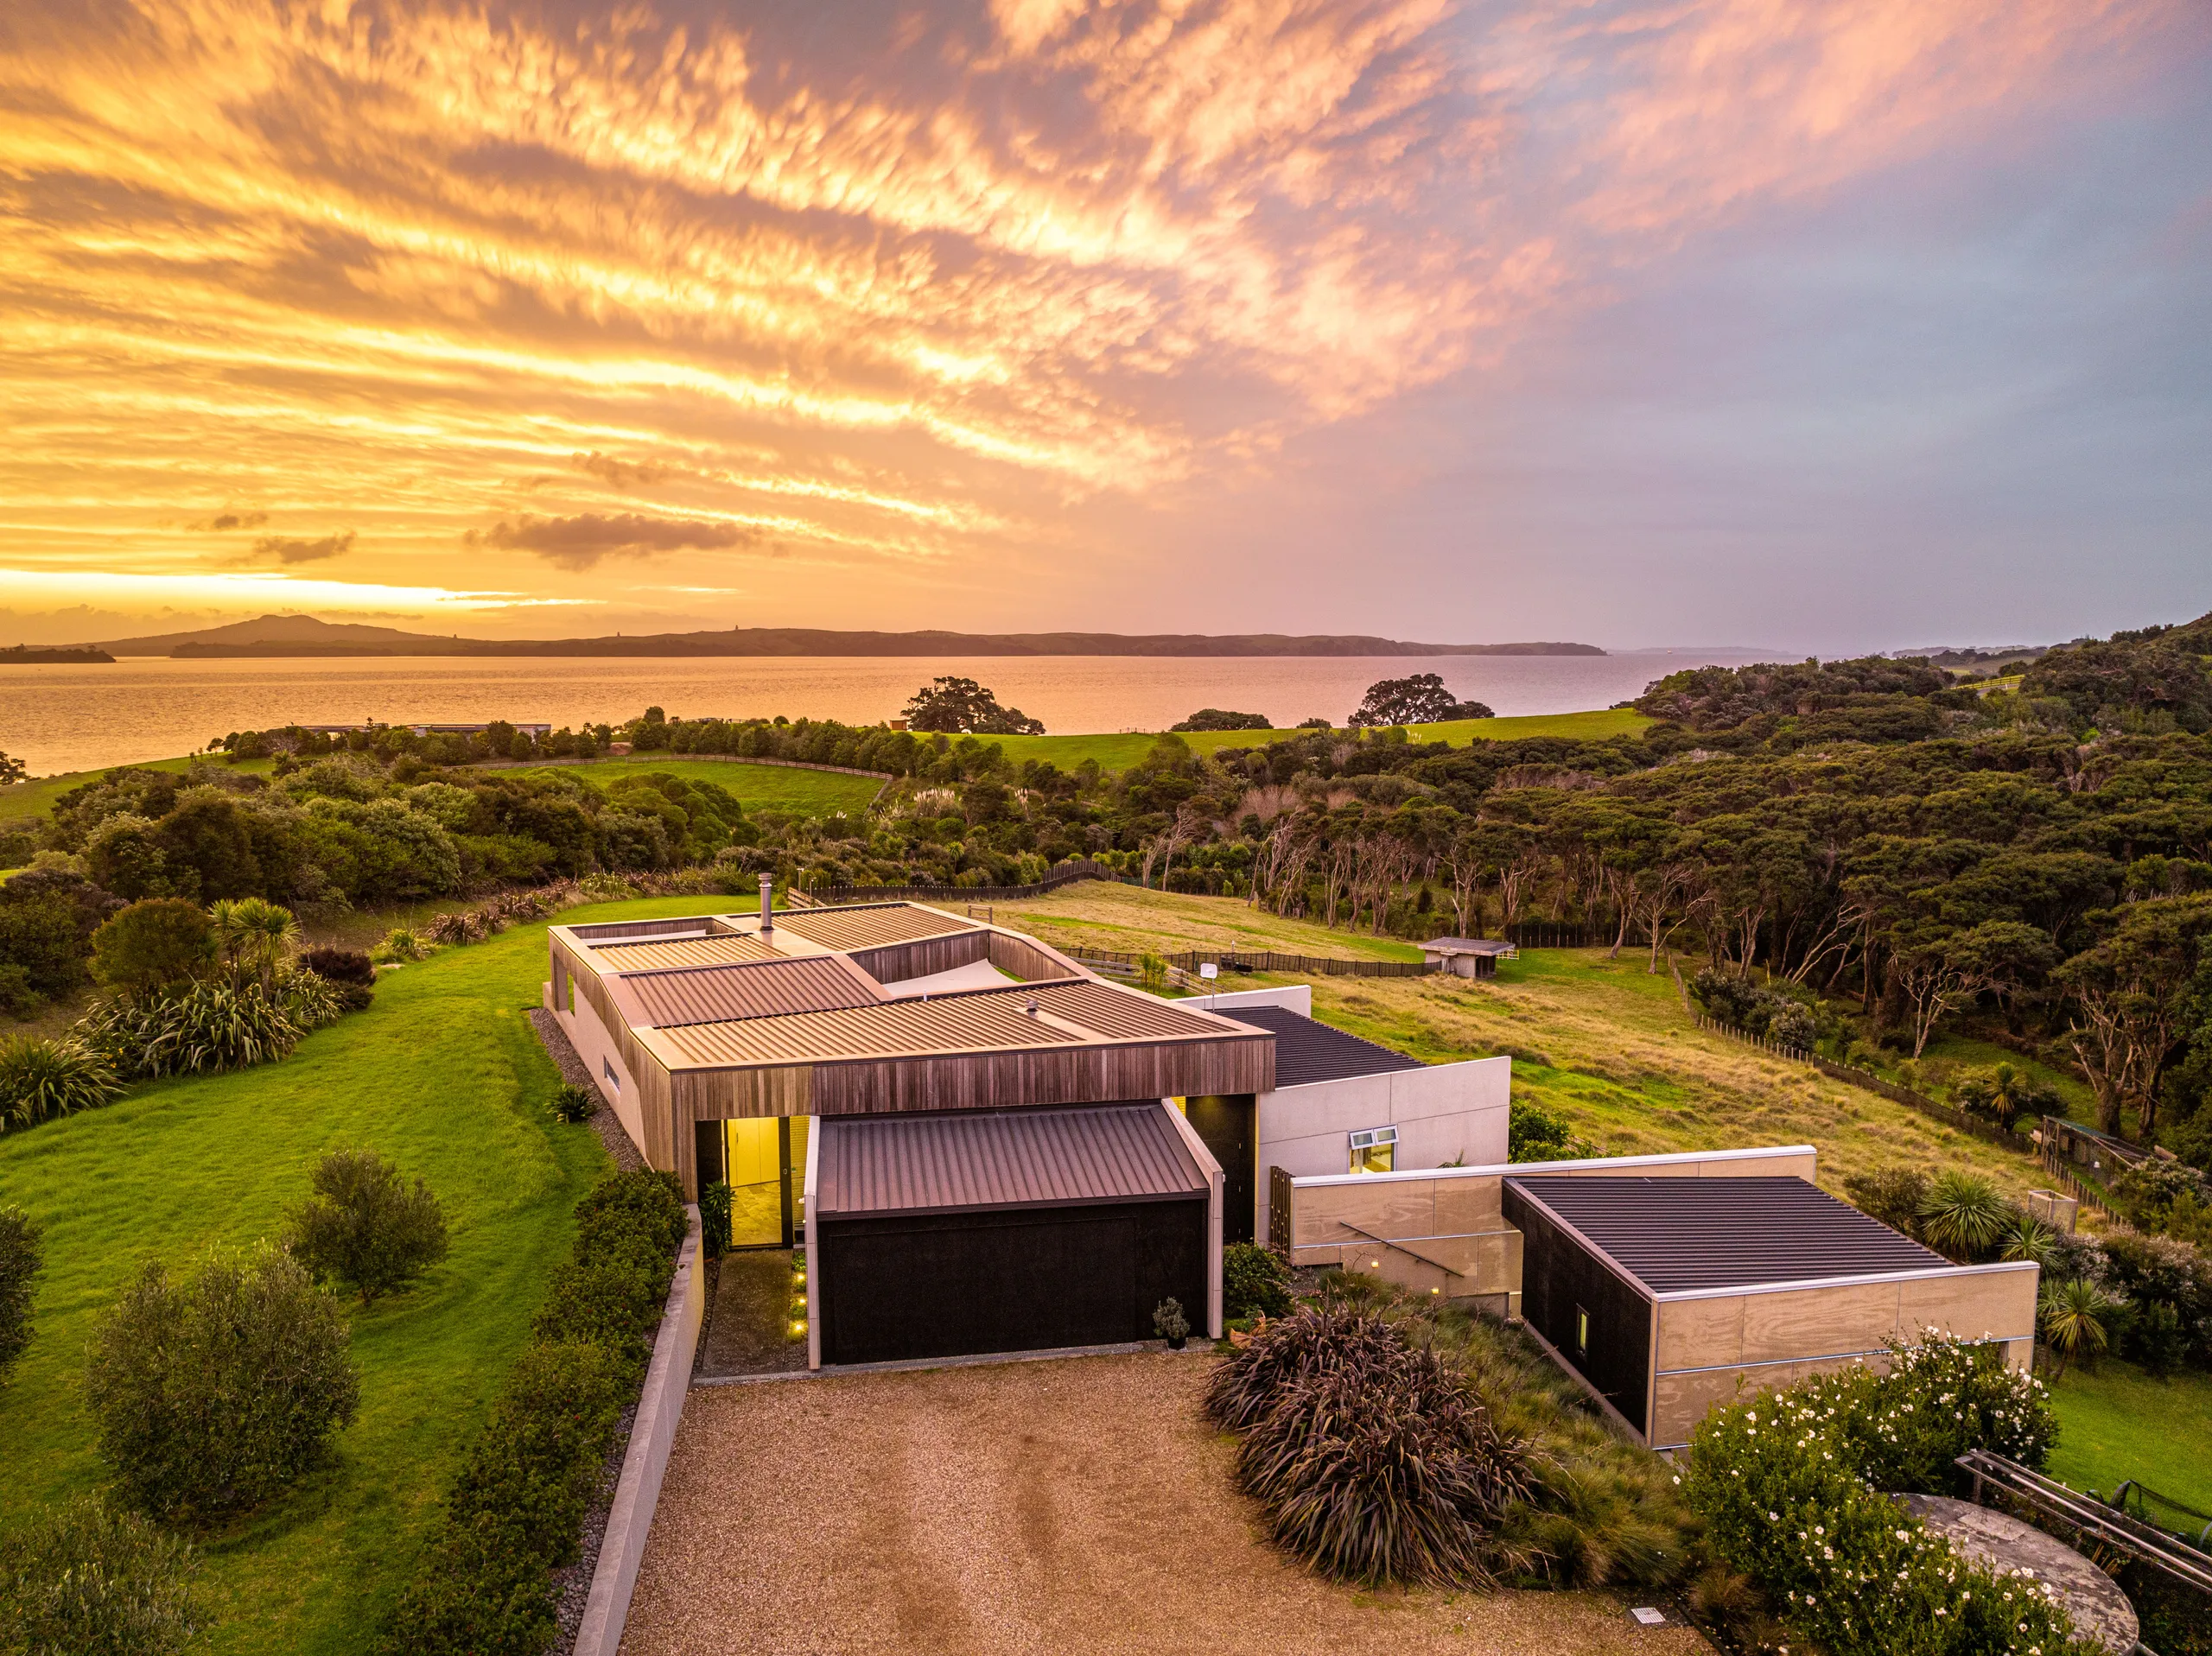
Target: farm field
1602 1043
757 787
1120 751
444 1075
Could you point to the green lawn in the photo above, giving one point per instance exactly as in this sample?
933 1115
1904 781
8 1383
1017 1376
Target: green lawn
444 1075
1119 752
764 787
2119 1423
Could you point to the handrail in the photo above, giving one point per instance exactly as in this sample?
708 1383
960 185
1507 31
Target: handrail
2147 1544
1410 1251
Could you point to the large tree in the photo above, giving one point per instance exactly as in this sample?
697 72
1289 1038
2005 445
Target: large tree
1419 699
960 706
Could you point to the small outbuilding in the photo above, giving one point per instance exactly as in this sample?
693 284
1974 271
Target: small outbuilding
1468 957
1666 1295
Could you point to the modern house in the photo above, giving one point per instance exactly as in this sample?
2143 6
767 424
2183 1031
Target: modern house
983 1146
1663 1283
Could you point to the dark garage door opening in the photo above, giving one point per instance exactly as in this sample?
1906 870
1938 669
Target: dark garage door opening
1020 1230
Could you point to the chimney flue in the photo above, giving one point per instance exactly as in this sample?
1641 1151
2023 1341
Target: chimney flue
767 903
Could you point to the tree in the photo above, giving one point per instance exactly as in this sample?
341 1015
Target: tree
2131 992
253 936
155 943
211 1393
1215 718
11 770
961 706
1419 699
365 1227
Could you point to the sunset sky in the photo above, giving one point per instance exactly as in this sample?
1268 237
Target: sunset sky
1816 325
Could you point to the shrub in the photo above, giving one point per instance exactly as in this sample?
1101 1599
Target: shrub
615 1303
639 1214
1384 1468
2003 1094
2154 1271
348 971
88 1581
715 1203
1313 1339
1962 1215
474 1592
41 1079
196 1030
308 999
19 996
154 944
1534 1135
1253 1281
1789 1484
212 1393
401 944
365 1227
576 1104
1892 1195
538 1461
22 1254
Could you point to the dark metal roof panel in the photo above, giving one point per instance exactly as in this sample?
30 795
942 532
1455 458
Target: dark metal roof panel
1676 1235
873 927
1001 1159
1306 1051
1119 1014
766 989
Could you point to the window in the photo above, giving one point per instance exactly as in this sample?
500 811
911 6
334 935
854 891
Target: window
608 1070
1581 1332
1374 1150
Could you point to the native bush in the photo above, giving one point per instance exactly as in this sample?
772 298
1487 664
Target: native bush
365 1227
1254 1282
1781 1018
156 943
41 1079
22 1254
213 1392
1315 1339
1790 1487
1962 1215
198 1030
86 1580
482 1586
1534 1135
309 999
714 1204
574 1104
1382 1466
401 944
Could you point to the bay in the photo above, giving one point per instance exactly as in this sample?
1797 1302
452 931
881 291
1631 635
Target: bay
71 717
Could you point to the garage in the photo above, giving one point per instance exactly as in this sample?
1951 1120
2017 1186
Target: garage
957 1235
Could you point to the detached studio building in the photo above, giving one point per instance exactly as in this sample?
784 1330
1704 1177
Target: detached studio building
982 1145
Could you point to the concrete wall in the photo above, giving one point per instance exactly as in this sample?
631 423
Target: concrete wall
1295 997
1445 1113
1448 1234
598 1050
1713 1345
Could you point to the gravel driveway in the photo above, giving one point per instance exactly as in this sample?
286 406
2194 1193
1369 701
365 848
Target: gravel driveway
1050 1508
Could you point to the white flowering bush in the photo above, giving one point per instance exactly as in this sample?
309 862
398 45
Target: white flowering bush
1789 1484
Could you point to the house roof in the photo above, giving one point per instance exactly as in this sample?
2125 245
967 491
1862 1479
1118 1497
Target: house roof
1680 1235
1468 945
1306 1051
1001 1158
644 954
711 994
872 927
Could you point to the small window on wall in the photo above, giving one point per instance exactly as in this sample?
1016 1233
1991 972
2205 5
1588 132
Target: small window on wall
1374 1148
608 1070
1581 1332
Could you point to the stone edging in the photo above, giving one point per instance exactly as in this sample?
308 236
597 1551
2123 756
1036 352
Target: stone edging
652 1435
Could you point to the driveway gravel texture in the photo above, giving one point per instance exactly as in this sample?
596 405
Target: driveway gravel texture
1050 1508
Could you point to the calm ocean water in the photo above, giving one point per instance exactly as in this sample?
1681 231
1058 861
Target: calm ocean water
57 719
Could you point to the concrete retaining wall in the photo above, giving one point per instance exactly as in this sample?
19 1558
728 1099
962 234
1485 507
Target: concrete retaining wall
651 1436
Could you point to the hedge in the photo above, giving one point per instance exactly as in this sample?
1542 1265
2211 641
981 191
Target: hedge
515 1514
1791 1484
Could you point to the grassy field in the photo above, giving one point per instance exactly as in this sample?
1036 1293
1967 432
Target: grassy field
36 796
757 787
1119 752
2119 1423
1602 1043
444 1075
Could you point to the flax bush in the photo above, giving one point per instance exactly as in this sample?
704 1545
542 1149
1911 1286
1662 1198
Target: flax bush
198 1030
41 1079
1790 1487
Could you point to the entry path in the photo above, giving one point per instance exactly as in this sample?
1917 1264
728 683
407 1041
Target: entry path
1027 1509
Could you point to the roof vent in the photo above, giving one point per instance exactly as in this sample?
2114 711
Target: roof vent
1032 1007
767 904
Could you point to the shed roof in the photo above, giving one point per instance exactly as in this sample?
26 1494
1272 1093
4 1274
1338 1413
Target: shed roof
1468 945
875 1165
713 994
1680 1235
1306 1051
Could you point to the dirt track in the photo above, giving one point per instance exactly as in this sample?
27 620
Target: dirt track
1047 1509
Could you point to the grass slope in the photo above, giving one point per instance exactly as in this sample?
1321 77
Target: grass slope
1120 751
2119 1423
444 1075
762 787
36 796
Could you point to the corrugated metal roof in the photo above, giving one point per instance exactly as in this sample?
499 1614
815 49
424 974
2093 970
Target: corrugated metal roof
852 928
954 1023
1306 1051
1119 1014
685 951
712 994
1001 1159
1674 1234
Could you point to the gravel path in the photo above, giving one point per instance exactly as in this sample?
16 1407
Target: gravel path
1043 1509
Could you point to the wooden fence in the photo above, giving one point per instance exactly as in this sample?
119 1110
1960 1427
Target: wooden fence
1546 934
1067 873
1189 961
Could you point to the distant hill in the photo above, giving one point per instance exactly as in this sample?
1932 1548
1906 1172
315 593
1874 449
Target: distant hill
61 655
305 635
